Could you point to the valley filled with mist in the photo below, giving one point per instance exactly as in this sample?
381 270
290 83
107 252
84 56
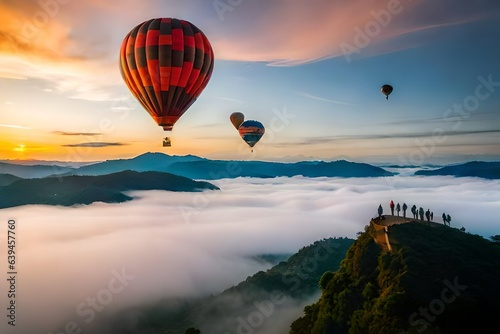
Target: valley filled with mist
82 265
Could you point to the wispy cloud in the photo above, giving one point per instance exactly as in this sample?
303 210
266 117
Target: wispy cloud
95 144
80 60
399 135
318 98
55 50
14 126
478 117
228 99
325 25
64 133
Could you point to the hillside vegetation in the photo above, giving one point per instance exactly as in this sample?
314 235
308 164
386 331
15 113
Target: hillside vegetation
436 280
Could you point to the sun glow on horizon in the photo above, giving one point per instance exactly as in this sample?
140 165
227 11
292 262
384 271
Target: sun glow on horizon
20 148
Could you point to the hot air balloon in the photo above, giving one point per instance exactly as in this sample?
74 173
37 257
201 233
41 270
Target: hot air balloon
236 119
166 63
386 90
251 132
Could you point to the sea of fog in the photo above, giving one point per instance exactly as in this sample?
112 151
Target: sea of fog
79 265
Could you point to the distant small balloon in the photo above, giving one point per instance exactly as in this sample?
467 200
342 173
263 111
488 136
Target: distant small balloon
236 119
386 90
251 132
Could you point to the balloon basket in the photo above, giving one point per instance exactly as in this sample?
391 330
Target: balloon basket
167 142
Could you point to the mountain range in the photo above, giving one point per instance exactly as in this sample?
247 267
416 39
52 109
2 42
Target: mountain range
200 168
32 171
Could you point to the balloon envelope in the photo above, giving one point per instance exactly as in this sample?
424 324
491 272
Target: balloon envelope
386 90
236 119
166 63
251 132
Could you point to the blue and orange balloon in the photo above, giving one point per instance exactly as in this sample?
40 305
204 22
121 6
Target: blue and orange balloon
251 132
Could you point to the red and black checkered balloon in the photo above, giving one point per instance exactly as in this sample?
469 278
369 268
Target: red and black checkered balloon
166 63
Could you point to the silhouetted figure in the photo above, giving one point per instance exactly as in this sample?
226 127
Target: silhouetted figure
398 208
414 211
404 209
392 207
432 216
421 212
428 215
444 218
448 219
380 211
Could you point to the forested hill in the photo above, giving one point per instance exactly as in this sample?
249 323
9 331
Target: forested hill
436 280
6 179
71 190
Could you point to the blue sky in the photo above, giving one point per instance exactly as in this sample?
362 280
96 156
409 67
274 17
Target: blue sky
285 63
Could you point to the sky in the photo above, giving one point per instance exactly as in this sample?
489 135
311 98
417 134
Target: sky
310 71
191 245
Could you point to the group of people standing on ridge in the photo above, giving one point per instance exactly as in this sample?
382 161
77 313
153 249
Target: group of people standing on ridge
417 213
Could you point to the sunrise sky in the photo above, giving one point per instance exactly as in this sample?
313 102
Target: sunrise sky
309 70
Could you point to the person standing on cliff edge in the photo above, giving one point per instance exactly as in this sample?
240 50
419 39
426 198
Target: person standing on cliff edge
392 207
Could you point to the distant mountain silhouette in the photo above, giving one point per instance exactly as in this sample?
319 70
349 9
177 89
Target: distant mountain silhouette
71 190
157 162
200 168
6 179
32 171
487 170
32 162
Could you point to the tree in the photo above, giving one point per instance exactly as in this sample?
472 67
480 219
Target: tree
325 279
192 331
496 239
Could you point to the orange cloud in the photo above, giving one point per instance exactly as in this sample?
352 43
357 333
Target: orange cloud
37 43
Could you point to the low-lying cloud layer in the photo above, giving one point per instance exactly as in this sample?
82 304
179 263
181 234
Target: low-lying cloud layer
83 264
